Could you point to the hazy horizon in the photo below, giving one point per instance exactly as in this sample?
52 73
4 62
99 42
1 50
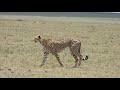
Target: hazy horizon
66 14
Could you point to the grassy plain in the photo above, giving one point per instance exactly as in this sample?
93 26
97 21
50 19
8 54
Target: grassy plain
21 57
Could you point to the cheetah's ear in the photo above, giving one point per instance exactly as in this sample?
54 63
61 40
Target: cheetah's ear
39 37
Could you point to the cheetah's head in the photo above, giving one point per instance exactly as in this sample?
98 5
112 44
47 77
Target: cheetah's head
37 39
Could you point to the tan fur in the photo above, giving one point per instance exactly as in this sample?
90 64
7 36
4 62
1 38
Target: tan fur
54 47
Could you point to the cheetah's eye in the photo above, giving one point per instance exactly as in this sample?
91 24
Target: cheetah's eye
39 37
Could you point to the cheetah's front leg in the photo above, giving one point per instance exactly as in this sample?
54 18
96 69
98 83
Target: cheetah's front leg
57 57
44 58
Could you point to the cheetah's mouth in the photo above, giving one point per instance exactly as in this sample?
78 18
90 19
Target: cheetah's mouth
34 40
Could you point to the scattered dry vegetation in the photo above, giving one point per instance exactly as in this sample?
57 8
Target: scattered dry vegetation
21 57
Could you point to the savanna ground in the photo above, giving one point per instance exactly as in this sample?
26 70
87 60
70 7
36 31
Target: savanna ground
21 57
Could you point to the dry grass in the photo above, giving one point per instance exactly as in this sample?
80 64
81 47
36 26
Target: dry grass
21 57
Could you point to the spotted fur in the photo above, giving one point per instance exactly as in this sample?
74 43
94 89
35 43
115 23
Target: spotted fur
55 47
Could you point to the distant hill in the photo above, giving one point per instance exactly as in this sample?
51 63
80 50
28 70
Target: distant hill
65 14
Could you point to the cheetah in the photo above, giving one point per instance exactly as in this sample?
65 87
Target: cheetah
55 47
